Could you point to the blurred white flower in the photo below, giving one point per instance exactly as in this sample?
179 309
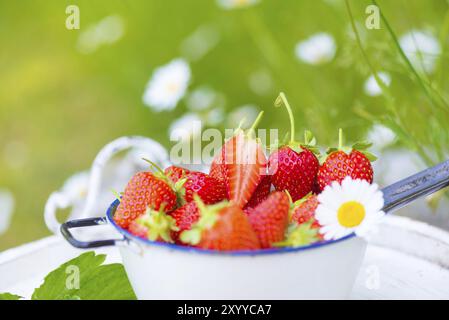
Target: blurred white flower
261 82
186 128
201 98
421 48
371 86
167 85
107 31
200 42
248 113
6 209
317 49
215 116
234 4
381 136
75 188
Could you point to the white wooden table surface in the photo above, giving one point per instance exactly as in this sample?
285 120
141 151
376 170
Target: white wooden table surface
405 260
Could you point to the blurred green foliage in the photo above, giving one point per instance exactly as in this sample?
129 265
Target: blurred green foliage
58 106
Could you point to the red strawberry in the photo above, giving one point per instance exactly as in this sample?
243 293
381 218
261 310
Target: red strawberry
222 227
346 162
244 164
217 167
154 226
304 209
294 166
187 183
138 229
210 190
261 193
270 219
143 190
175 173
185 216
304 212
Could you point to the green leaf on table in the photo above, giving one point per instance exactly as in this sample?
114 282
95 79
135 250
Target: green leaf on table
9 296
86 278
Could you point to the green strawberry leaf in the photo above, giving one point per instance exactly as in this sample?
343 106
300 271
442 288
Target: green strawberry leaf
315 150
371 157
295 146
299 235
86 278
309 139
362 145
9 296
331 150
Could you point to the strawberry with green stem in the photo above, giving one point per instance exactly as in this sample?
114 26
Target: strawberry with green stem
294 166
144 190
342 162
241 163
154 225
185 217
303 211
223 227
299 235
187 183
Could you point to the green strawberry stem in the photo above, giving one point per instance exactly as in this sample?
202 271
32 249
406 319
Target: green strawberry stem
155 166
340 139
158 224
199 203
252 130
117 195
282 100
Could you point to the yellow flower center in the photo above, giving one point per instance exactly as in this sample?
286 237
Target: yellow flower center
172 87
351 214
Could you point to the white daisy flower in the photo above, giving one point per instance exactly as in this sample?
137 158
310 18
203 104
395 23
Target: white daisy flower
372 88
185 128
167 85
215 116
354 206
318 49
421 48
234 4
201 98
6 209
